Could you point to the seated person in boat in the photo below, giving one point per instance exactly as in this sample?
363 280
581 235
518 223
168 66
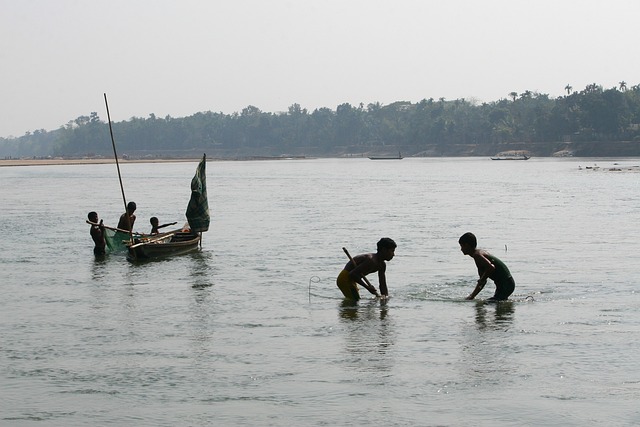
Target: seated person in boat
127 219
97 234
489 267
354 272
155 227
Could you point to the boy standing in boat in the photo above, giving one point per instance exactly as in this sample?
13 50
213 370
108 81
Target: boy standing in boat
128 218
489 267
97 234
354 272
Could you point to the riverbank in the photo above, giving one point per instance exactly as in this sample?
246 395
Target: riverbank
102 161
60 161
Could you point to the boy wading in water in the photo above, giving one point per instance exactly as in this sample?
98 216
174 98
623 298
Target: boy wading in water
489 267
353 273
97 234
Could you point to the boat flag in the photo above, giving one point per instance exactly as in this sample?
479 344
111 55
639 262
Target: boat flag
198 207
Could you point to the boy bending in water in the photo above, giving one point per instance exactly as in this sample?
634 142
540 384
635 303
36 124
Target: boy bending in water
489 267
354 272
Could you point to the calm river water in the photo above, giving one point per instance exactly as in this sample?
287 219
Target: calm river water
252 331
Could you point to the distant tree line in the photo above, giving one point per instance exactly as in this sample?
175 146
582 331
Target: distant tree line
592 114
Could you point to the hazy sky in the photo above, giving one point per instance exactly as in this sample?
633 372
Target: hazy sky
58 57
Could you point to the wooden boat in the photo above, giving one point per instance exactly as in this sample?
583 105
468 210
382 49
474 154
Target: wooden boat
144 247
398 157
511 155
163 245
178 241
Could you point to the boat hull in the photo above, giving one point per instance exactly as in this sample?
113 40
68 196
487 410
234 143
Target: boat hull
511 155
511 158
172 244
398 157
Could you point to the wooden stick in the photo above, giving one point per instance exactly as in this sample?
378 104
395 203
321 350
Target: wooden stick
108 228
364 278
113 144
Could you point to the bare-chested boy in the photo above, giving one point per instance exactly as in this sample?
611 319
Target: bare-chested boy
489 267
128 218
97 234
354 272
155 225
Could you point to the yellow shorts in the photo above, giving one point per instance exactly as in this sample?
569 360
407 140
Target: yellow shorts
348 287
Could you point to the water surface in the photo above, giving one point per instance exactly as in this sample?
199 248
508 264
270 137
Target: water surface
251 330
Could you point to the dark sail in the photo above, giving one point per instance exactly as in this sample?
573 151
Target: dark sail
198 207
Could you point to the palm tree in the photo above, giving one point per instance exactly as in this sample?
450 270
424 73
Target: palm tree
568 88
591 88
513 95
623 86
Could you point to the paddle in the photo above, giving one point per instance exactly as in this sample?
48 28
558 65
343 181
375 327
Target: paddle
109 228
364 278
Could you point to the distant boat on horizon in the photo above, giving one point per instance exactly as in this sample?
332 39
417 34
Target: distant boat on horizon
510 155
398 157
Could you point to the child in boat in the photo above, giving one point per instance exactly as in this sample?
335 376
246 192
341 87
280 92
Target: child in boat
97 234
354 272
155 227
489 267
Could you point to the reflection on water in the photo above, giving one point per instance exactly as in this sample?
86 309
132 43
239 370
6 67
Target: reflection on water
369 334
200 331
99 268
502 314
363 309
200 270
488 349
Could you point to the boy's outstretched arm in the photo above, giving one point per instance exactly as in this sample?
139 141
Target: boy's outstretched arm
167 225
382 280
362 281
477 289
368 287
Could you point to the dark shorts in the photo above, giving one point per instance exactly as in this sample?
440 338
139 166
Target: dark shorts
504 289
347 286
99 251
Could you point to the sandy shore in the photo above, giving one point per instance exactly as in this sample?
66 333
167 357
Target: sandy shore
44 162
